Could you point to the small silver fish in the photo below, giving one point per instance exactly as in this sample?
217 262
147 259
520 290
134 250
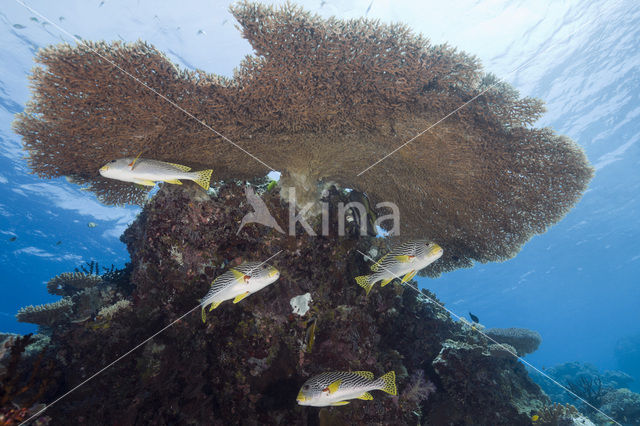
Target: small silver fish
237 283
406 259
147 172
336 387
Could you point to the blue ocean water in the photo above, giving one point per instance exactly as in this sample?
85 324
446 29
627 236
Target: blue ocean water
577 284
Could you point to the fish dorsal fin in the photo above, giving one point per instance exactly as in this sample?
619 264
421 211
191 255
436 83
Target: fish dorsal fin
238 275
333 387
365 374
404 258
181 167
376 266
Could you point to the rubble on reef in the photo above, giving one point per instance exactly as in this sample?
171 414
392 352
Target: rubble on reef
247 363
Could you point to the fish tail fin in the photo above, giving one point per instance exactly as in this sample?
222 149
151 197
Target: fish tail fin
387 383
203 178
366 282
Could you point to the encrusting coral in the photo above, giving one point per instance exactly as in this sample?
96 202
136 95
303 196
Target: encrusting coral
321 101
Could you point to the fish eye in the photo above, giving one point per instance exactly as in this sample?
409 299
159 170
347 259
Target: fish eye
113 161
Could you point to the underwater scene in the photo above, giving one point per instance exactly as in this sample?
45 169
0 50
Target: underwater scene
366 212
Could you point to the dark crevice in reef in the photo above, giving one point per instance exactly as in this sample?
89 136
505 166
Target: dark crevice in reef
247 362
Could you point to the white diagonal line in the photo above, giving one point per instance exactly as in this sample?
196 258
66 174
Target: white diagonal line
145 85
106 367
84 382
492 339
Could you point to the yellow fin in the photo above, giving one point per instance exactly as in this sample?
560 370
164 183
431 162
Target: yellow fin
364 281
389 383
366 396
214 305
240 297
203 178
376 266
239 276
204 315
181 167
334 386
133 163
409 276
335 404
145 182
385 282
365 374
174 181
403 258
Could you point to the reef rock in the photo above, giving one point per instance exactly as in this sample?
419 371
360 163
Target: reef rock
248 361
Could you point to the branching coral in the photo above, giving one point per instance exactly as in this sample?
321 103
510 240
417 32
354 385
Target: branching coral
321 101
590 389
109 311
69 283
48 314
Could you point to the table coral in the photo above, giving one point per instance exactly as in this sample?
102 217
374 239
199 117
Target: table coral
321 101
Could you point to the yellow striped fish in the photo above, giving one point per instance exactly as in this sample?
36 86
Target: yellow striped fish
144 171
336 387
237 283
403 261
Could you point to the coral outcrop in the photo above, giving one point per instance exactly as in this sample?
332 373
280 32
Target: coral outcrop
523 340
606 392
84 294
247 363
321 101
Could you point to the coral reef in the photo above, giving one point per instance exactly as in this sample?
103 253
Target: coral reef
623 405
69 283
605 391
247 363
24 380
488 180
47 315
560 415
524 341
84 294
